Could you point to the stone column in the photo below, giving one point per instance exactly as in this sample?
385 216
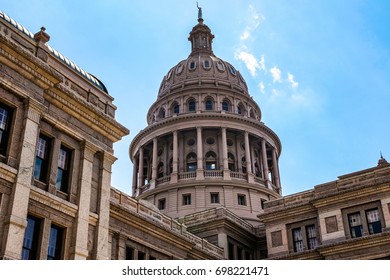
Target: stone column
199 146
141 181
226 171
175 158
223 243
102 228
80 249
265 163
15 220
248 158
154 165
135 181
275 169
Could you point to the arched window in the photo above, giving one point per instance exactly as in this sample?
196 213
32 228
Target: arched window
209 104
175 108
191 106
240 109
231 162
252 114
211 161
191 162
225 106
161 114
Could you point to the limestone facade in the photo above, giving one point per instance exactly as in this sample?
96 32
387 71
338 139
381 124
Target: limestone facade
345 219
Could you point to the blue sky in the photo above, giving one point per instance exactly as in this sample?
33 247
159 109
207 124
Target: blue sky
319 70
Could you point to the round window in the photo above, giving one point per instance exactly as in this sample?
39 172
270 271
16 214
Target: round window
190 142
210 140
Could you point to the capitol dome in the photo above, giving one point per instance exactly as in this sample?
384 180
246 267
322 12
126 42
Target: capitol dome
205 145
203 69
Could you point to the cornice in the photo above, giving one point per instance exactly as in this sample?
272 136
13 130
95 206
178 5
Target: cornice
27 64
210 117
215 182
84 112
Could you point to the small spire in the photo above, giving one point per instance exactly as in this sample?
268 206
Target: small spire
200 18
382 161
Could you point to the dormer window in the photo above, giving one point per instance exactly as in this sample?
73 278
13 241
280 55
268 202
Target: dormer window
220 66
232 70
179 69
206 64
192 65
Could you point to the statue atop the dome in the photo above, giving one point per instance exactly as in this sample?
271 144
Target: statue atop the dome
199 11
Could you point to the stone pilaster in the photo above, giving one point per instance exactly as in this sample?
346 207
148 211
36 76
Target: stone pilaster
102 228
16 219
80 251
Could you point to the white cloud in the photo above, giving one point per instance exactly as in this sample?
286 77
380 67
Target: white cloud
250 61
276 74
262 87
290 78
253 21
262 63
245 35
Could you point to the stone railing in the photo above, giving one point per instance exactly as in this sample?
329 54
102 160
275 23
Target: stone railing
149 213
216 213
213 174
237 175
163 180
187 175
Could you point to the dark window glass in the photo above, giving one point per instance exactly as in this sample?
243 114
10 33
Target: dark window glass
214 197
176 109
31 239
209 105
225 106
141 255
161 204
186 199
191 166
5 127
54 251
129 253
241 199
191 106
355 225
42 158
373 221
311 235
63 170
297 239
206 64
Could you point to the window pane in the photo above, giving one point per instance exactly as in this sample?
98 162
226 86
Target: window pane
55 243
297 239
62 158
355 225
3 118
31 238
225 106
41 148
373 220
